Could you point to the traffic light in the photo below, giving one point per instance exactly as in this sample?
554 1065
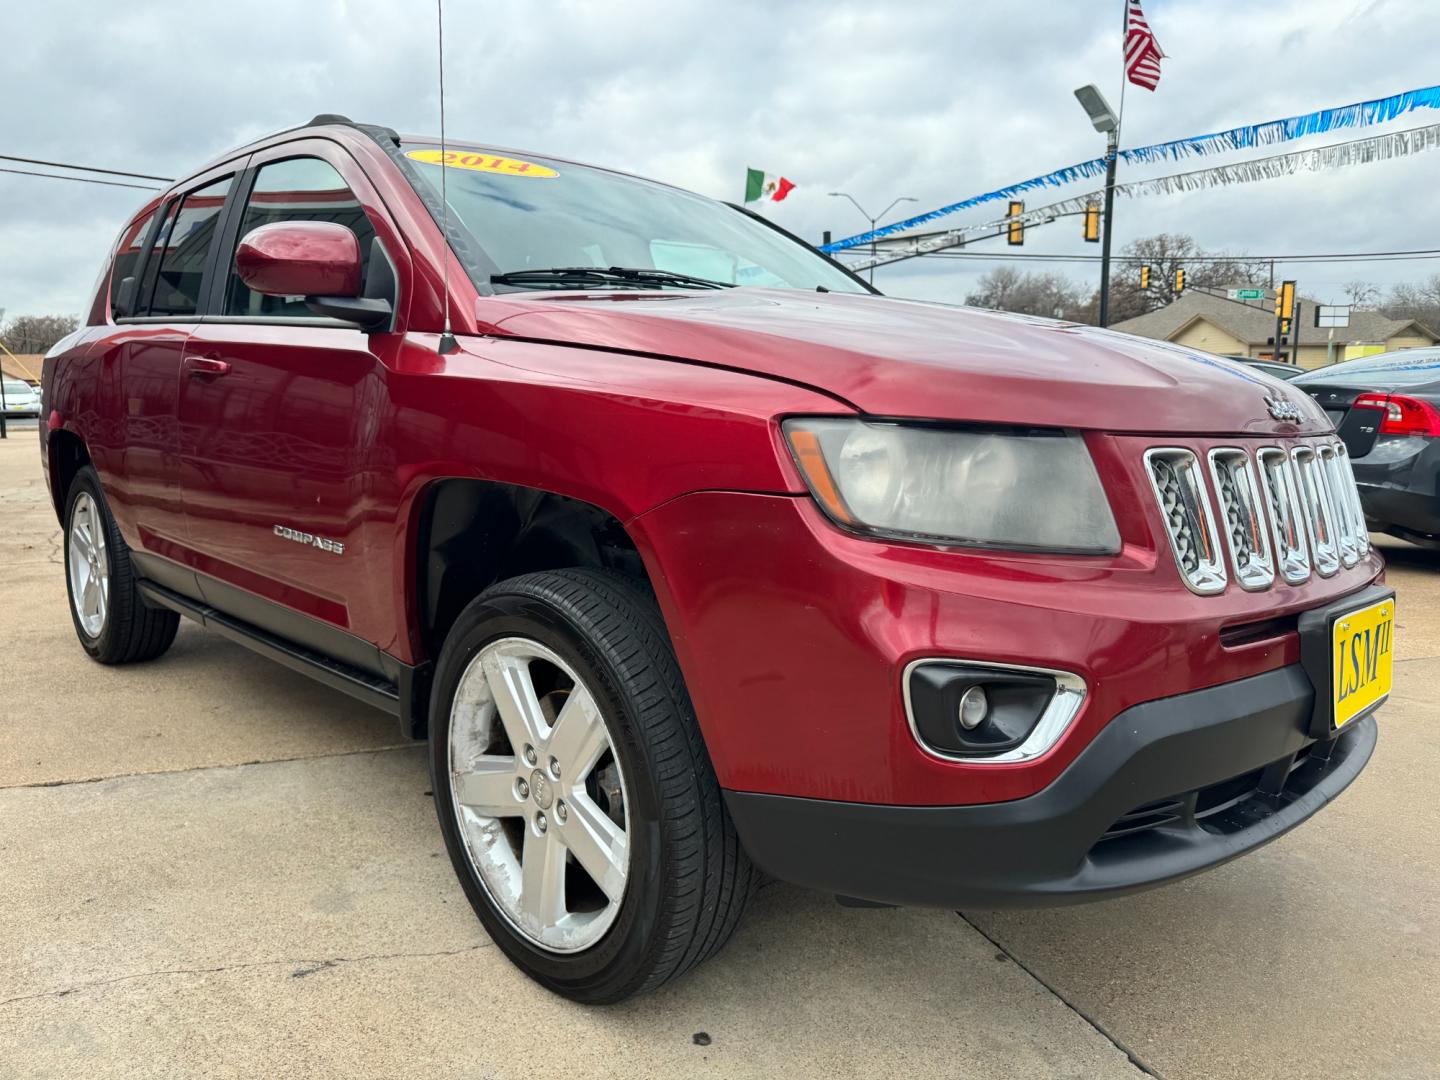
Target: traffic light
1144 279
1092 224
1015 231
1285 306
1179 280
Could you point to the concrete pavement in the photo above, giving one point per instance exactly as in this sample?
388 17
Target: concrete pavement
211 866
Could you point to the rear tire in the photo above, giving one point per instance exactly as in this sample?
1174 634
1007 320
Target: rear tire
674 879
113 623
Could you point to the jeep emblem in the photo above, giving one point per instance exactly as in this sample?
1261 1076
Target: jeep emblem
1281 409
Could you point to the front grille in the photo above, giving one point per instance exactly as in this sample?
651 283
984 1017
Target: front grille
1180 489
1281 513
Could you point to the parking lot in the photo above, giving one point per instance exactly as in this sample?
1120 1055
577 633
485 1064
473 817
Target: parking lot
212 866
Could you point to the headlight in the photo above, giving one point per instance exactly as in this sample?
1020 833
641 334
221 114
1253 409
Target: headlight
984 487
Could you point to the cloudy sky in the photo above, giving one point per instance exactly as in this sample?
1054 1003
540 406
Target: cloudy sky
936 100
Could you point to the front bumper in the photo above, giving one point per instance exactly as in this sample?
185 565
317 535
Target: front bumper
1165 790
794 638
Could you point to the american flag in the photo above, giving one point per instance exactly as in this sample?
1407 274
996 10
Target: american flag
1142 51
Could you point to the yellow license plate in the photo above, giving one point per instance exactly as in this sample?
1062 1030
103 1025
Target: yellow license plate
1363 658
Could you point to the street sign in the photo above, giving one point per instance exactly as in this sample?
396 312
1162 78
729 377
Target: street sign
1332 315
1246 294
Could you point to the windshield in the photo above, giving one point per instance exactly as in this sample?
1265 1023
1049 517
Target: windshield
540 214
13 387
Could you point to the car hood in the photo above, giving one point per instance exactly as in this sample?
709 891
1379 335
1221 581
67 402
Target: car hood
905 358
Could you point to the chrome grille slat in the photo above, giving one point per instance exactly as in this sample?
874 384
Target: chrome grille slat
1352 493
1241 517
1345 527
1287 528
1319 515
1179 488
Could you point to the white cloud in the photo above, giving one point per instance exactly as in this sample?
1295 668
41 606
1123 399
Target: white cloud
937 100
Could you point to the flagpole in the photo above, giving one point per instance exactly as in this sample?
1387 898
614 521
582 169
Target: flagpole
1124 30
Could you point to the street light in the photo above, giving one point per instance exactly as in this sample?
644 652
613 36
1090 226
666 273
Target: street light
1108 124
872 219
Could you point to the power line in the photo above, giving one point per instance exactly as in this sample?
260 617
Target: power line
79 179
84 168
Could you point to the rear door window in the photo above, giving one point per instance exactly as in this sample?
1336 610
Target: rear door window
181 249
296 189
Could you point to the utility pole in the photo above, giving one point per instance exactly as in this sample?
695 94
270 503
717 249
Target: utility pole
3 433
1284 315
1105 121
1112 148
1295 335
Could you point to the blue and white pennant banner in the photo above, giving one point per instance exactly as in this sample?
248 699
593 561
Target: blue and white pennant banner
1269 133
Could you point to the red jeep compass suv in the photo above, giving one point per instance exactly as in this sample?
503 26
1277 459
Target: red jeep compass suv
694 558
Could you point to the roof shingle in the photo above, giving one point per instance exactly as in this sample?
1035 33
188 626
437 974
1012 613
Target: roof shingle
1254 324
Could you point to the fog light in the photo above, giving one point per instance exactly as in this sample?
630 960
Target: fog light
973 707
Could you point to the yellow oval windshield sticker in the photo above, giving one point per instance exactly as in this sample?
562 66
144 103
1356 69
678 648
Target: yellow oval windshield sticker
491 163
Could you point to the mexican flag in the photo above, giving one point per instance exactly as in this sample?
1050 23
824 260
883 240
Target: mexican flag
765 187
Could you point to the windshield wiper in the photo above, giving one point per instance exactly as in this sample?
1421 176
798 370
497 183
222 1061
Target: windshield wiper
561 276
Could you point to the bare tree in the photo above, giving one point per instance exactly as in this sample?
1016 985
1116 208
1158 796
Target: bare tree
1031 293
1419 300
1165 253
1363 295
36 333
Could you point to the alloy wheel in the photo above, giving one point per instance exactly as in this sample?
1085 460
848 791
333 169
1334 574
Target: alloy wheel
89 565
539 794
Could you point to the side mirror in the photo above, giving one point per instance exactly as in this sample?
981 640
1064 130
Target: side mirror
319 260
124 298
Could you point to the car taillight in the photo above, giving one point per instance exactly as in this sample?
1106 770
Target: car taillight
1402 415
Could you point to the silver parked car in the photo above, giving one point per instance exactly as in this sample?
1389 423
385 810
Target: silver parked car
20 398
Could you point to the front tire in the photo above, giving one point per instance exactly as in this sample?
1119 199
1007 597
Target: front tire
577 802
114 625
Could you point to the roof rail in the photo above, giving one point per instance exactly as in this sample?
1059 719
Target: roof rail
377 132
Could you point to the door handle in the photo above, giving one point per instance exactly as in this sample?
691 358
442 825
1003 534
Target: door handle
206 366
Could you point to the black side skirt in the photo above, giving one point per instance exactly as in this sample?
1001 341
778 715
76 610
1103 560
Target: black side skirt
405 698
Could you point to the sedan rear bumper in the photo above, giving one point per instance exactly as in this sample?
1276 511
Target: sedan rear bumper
1404 513
1167 789
1399 482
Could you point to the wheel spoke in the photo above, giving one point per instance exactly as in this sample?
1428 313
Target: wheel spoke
542 888
87 595
598 844
579 736
102 601
80 538
488 786
514 693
